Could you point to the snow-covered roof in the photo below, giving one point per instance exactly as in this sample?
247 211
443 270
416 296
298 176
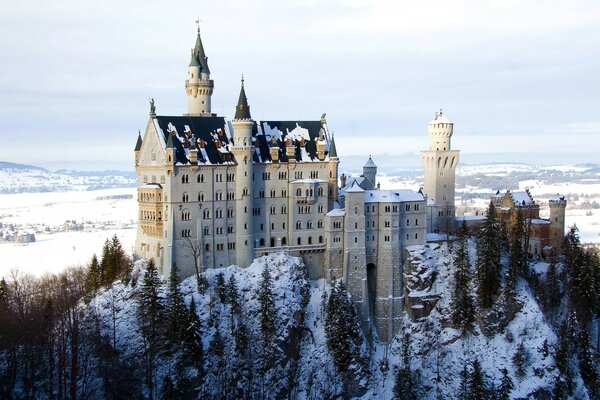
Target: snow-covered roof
309 181
460 218
439 118
151 186
369 163
539 221
336 212
522 198
392 196
355 188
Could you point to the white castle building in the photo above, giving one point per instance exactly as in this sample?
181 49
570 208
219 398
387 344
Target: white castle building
215 192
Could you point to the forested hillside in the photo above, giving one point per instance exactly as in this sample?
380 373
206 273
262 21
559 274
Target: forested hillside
503 326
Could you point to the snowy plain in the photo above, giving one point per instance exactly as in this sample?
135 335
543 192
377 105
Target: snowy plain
99 214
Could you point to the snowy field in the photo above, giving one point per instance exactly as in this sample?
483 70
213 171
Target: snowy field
69 227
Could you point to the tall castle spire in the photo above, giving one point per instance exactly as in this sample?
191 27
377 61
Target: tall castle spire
242 110
199 86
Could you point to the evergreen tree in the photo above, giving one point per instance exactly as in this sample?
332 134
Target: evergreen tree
233 296
6 321
342 328
521 360
168 389
462 304
553 291
268 311
241 339
463 393
150 315
192 335
516 257
176 306
405 385
477 389
220 287
586 363
506 385
93 277
488 259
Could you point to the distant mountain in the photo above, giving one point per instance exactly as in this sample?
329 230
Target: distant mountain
20 167
19 178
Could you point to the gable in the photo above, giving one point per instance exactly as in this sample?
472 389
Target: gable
152 152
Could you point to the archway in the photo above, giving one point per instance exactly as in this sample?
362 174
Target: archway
371 285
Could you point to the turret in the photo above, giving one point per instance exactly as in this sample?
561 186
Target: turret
138 147
199 86
370 172
440 132
243 151
557 205
439 164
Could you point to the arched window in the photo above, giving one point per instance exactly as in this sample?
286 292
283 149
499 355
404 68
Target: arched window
273 241
261 242
320 239
298 192
299 241
283 241
320 191
310 240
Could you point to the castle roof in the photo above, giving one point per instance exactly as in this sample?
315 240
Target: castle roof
242 110
199 55
369 163
138 144
355 188
214 134
439 118
332 149
392 196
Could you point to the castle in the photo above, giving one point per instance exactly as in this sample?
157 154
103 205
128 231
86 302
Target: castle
215 192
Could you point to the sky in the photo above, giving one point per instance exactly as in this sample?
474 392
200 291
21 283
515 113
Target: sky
519 79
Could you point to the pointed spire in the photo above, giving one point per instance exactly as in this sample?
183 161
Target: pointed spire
138 144
242 110
332 149
170 142
199 54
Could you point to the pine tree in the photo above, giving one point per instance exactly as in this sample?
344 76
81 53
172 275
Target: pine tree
233 296
586 363
175 305
552 287
488 259
516 257
506 385
342 328
462 304
192 335
92 276
477 389
220 287
463 390
405 385
5 319
168 389
268 311
521 360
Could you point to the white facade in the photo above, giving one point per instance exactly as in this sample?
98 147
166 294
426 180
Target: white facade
214 193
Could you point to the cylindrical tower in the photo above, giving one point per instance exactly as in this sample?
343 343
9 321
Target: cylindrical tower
558 205
198 85
243 151
370 172
439 164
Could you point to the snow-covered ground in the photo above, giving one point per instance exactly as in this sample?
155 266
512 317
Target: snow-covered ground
69 227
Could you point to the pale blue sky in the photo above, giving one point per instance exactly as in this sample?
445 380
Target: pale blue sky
514 76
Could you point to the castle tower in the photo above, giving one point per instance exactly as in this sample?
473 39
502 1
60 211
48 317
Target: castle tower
198 85
558 205
355 259
439 164
243 150
370 172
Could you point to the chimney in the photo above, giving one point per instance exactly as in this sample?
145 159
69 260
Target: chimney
193 156
274 153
